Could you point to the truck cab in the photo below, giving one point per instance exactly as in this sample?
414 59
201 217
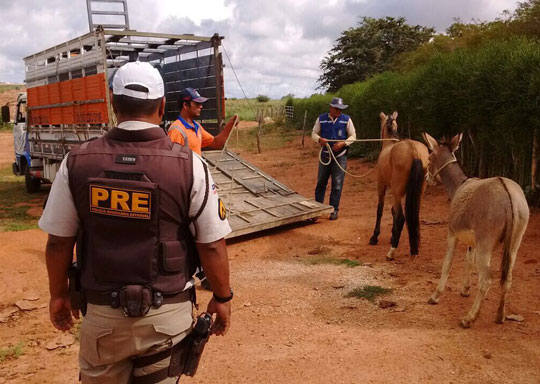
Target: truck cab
23 164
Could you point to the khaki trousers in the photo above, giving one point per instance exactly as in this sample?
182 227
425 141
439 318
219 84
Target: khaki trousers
109 340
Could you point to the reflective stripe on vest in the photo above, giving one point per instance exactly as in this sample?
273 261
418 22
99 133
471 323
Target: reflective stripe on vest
336 130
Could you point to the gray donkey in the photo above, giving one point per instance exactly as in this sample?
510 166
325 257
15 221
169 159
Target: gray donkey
483 212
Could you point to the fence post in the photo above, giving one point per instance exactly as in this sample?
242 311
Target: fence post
259 135
534 162
304 126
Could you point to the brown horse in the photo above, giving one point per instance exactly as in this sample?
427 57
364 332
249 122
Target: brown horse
402 167
483 213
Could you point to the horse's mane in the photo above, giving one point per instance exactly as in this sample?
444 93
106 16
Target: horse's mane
446 142
389 131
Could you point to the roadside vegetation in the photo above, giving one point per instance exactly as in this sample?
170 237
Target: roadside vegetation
482 79
321 260
247 109
15 203
6 127
369 292
11 352
273 135
9 87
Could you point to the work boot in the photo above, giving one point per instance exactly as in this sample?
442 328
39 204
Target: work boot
334 215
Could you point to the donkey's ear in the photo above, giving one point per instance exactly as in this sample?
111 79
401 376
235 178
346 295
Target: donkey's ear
383 116
454 143
430 141
394 115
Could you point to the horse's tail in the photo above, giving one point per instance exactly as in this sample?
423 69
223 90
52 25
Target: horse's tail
507 242
412 204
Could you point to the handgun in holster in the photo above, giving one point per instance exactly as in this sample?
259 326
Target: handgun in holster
75 291
187 354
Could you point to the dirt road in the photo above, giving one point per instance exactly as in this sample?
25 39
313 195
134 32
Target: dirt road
291 321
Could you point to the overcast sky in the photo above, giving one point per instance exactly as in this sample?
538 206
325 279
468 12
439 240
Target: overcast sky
275 46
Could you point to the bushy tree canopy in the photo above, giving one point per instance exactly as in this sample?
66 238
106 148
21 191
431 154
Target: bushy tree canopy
369 49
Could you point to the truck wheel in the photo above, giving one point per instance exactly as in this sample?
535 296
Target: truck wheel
32 183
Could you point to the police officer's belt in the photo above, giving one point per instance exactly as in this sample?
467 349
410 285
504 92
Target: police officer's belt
135 300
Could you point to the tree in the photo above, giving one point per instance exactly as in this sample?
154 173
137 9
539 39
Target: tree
262 98
527 18
369 49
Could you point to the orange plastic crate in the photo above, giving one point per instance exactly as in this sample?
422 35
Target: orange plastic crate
71 91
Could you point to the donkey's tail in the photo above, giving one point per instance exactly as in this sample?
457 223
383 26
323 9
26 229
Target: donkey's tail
507 242
412 204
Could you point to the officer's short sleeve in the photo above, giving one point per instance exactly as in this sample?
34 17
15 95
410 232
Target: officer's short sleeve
60 216
211 225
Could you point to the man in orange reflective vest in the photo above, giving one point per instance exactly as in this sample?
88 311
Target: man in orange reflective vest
185 127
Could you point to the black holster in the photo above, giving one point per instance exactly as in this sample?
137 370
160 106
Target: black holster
196 342
184 356
75 291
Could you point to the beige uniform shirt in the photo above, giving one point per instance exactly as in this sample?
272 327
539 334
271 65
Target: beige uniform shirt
60 216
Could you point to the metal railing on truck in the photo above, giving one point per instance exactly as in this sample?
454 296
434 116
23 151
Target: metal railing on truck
68 98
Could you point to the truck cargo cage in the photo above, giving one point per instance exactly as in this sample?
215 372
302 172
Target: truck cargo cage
68 85
183 60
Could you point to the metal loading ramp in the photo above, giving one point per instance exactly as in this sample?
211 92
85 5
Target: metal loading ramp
255 201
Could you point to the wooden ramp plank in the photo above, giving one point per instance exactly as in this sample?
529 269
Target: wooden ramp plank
255 201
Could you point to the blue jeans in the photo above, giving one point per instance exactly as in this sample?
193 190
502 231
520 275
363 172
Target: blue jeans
325 171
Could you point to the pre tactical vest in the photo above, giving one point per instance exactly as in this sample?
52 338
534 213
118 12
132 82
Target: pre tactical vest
336 130
132 194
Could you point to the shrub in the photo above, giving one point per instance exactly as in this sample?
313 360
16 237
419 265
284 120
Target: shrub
262 98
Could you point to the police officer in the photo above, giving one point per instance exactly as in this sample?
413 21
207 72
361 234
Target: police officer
133 203
334 125
190 103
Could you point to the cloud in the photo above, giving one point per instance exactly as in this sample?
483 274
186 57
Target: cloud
275 46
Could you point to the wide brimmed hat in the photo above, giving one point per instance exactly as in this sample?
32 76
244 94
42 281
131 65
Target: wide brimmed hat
337 102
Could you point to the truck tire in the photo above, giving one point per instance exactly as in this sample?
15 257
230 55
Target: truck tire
32 183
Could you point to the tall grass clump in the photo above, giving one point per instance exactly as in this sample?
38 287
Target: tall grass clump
490 93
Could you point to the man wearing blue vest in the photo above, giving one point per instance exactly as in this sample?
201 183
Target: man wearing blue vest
329 127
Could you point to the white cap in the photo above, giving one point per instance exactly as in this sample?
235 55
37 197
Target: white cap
138 73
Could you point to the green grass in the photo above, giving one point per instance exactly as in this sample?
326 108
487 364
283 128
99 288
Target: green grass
8 87
15 202
12 352
272 136
6 127
246 109
76 330
369 292
320 260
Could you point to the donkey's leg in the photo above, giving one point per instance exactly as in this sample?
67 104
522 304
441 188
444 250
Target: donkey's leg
501 313
447 264
514 246
483 259
469 265
381 191
397 228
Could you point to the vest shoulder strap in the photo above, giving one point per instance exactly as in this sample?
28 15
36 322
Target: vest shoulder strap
205 200
183 133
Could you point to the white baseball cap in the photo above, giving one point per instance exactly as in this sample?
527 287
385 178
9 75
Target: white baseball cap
138 73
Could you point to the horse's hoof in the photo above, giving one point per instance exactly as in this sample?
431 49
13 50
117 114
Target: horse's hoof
433 301
465 323
413 257
465 292
390 254
373 241
500 318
